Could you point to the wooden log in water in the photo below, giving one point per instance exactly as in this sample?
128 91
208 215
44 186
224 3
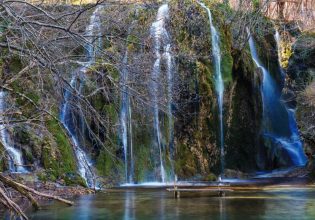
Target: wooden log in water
177 191
24 190
199 190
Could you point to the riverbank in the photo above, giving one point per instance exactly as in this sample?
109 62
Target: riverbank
118 202
27 191
282 179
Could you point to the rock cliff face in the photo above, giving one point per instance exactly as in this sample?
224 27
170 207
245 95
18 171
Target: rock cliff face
300 87
194 104
244 116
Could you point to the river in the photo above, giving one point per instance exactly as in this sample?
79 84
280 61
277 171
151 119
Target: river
156 203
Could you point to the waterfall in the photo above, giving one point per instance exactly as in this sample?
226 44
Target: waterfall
269 87
279 124
219 84
162 49
15 160
67 114
170 78
132 163
66 118
294 138
92 30
126 123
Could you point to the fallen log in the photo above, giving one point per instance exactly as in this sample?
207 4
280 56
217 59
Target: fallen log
29 197
199 190
177 191
6 201
24 190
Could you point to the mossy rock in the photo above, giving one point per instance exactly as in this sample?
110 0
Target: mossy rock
60 158
42 176
22 135
210 177
28 156
109 167
134 43
15 64
73 179
244 115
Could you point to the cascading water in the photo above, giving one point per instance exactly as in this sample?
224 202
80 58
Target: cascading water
219 84
294 138
279 125
126 123
132 163
16 160
92 30
162 44
67 114
66 118
170 78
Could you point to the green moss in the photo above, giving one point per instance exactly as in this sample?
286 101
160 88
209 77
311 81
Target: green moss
227 59
143 163
29 156
107 43
51 175
104 164
22 135
48 161
143 15
98 102
227 64
71 179
27 88
196 134
113 72
109 167
42 176
205 76
33 96
143 150
15 64
184 41
60 160
256 4
68 162
133 43
111 112
185 165
210 177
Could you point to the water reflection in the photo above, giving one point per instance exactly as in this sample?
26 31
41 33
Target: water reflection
222 209
86 209
129 205
157 204
295 203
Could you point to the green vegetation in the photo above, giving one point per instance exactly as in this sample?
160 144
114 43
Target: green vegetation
195 100
67 164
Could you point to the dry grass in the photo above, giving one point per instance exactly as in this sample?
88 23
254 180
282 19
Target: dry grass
309 94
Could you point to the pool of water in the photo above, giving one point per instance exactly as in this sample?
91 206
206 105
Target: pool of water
271 203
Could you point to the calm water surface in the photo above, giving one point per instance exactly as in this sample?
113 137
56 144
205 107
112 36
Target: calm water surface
293 203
